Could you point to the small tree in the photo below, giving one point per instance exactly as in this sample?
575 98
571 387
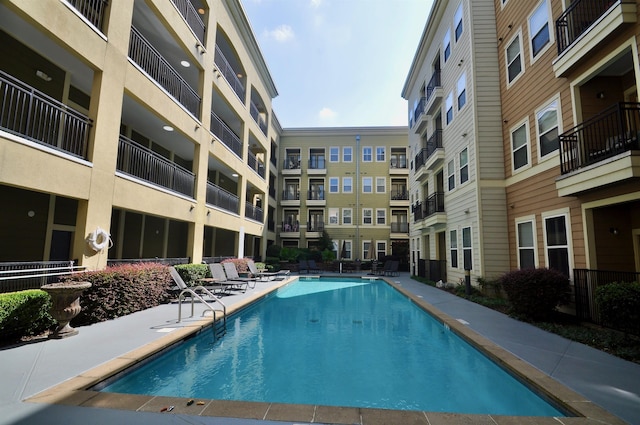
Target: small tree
535 293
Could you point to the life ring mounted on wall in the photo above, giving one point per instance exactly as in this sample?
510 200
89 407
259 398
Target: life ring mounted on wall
99 240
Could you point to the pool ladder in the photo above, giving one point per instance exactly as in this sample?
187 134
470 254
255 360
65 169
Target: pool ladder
219 324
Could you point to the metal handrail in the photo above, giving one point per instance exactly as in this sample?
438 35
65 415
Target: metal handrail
222 198
253 212
577 19
93 10
223 132
191 17
229 74
433 84
255 114
194 295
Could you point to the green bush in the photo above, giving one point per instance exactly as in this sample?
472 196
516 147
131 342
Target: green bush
535 293
190 273
619 305
121 290
24 313
289 254
273 250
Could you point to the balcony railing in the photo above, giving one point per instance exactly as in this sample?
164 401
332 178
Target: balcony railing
421 158
292 163
316 162
434 142
433 84
577 19
419 110
399 195
317 226
157 67
434 204
315 195
253 212
93 10
398 161
271 225
28 113
291 194
272 190
191 16
255 114
290 226
226 135
613 131
229 74
222 199
143 163
256 165
399 227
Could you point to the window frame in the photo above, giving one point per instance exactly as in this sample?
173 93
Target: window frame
384 185
367 151
344 187
446 45
364 216
464 166
565 213
337 185
381 219
451 174
334 216
518 37
525 220
466 248
364 186
524 123
381 150
461 92
381 249
550 25
448 107
555 152
350 215
453 247
458 18
331 154
347 150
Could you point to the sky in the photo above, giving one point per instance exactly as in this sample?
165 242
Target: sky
338 63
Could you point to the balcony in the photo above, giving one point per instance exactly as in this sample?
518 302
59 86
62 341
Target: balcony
584 25
93 10
140 162
253 212
420 117
221 198
315 226
419 161
291 166
156 67
226 135
28 113
434 93
435 153
601 151
191 17
229 74
399 198
257 117
316 165
433 205
290 230
290 197
256 165
402 228
398 164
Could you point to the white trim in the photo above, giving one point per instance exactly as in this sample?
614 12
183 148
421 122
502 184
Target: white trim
524 122
554 154
337 179
384 189
384 210
566 213
344 149
343 179
527 219
334 147
521 54
384 153
550 28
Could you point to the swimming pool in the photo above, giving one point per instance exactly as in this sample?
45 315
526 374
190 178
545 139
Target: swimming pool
350 342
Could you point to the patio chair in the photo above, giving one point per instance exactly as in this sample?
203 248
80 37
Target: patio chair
303 266
313 267
232 275
218 273
392 270
210 290
262 275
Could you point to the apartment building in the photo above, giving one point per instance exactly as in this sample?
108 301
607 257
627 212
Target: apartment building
148 120
350 182
457 192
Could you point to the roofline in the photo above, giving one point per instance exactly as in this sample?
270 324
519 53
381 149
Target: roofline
342 131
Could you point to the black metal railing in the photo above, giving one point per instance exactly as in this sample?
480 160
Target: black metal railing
292 163
316 162
29 113
23 275
398 161
257 117
229 74
421 158
434 142
271 225
256 165
433 270
613 131
317 226
291 194
253 212
400 227
226 135
315 195
93 10
272 191
157 67
145 164
433 84
434 204
191 17
419 109
290 226
418 211
399 195
166 261
222 198
576 20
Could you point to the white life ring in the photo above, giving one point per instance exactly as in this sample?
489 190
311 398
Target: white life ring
99 240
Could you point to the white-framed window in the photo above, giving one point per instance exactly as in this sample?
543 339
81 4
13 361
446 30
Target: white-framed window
548 127
464 165
366 246
334 184
381 216
347 184
513 55
462 91
467 248
347 154
451 174
557 242
334 154
367 154
526 241
367 184
346 245
381 184
380 154
446 46
520 146
381 249
539 29
347 215
448 105
457 23
333 215
453 248
367 216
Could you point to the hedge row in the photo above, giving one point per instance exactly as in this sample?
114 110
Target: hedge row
24 313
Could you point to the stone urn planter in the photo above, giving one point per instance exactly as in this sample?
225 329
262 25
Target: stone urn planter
65 297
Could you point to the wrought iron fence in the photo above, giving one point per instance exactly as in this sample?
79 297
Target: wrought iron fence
291 194
20 276
226 135
419 109
433 270
191 16
434 204
29 113
576 20
93 10
221 198
434 142
229 74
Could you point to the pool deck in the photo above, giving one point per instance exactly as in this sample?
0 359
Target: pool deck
43 382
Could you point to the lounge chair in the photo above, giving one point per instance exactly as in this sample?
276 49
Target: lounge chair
210 290
263 276
392 270
218 273
232 275
303 266
313 267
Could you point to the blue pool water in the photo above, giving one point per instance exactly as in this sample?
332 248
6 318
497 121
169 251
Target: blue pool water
353 342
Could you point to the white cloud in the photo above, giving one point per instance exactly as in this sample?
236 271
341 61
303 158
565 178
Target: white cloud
282 34
316 3
327 114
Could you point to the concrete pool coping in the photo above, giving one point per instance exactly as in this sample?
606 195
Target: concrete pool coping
74 392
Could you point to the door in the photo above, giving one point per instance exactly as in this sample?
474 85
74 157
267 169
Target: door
60 245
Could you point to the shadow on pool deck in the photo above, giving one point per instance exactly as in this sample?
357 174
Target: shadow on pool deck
54 374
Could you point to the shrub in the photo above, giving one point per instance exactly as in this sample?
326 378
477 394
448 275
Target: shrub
289 254
121 290
535 293
190 273
240 263
24 313
273 250
619 305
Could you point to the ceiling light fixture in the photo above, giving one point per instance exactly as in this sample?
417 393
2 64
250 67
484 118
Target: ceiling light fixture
185 64
43 75
167 128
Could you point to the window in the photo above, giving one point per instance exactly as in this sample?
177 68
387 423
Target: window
520 146
367 154
381 185
466 248
547 119
367 216
367 184
453 243
333 215
333 184
464 166
366 246
513 53
380 154
347 184
449 108
525 232
381 216
539 28
381 249
347 154
462 92
446 45
557 243
457 22
451 173
346 250
334 154
346 215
